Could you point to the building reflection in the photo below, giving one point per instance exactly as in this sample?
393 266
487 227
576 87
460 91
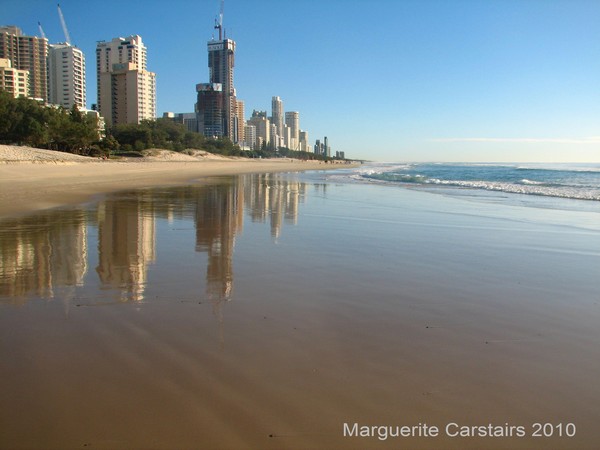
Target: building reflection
40 253
126 243
218 219
274 197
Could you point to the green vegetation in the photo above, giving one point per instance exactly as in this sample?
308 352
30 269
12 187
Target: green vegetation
25 121
168 135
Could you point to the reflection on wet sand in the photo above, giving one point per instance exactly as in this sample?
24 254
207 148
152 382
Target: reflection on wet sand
50 250
271 196
126 243
40 253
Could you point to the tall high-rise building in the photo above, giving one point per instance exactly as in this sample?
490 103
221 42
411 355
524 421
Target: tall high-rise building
66 76
13 81
277 114
240 112
250 136
292 120
221 59
275 140
263 126
304 145
126 90
27 53
210 109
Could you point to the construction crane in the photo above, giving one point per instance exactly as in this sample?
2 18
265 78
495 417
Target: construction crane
41 30
64 25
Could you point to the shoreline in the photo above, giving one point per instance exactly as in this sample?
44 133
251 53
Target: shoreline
30 184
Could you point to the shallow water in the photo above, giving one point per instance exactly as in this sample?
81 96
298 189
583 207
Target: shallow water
265 311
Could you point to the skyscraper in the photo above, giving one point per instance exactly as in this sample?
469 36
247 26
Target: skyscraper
263 127
240 112
126 90
210 110
304 145
66 76
27 53
277 114
221 60
292 120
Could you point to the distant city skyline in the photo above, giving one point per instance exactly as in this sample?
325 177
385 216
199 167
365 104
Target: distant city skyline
497 80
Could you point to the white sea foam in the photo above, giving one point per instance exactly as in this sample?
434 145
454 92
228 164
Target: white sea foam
526 181
549 184
528 189
369 170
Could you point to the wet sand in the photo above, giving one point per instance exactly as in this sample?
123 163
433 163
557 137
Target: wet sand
26 187
267 311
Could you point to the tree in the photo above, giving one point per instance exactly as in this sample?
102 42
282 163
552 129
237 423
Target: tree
26 121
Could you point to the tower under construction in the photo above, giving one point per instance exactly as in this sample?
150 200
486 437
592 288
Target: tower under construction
216 106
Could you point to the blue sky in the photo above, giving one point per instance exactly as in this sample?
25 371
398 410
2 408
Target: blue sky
392 80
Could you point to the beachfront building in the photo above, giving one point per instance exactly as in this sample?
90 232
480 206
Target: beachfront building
274 137
292 120
249 141
318 147
217 105
240 110
66 76
126 90
263 127
13 81
286 138
27 53
304 145
277 114
326 148
210 110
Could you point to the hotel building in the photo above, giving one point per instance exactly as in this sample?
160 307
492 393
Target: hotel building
66 76
13 81
126 90
27 53
277 114
292 120
263 127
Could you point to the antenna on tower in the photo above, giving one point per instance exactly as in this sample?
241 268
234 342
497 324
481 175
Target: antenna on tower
41 30
64 25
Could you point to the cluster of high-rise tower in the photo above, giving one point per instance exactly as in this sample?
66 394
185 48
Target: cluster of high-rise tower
126 90
219 113
30 67
55 74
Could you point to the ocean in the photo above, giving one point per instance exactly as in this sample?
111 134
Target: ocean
570 181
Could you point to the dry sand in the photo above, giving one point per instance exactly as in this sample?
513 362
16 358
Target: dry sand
33 179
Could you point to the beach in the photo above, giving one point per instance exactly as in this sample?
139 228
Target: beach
33 179
298 311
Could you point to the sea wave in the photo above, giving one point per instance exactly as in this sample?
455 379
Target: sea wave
523 186
566 168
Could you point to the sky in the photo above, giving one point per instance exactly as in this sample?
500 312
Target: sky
384 80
